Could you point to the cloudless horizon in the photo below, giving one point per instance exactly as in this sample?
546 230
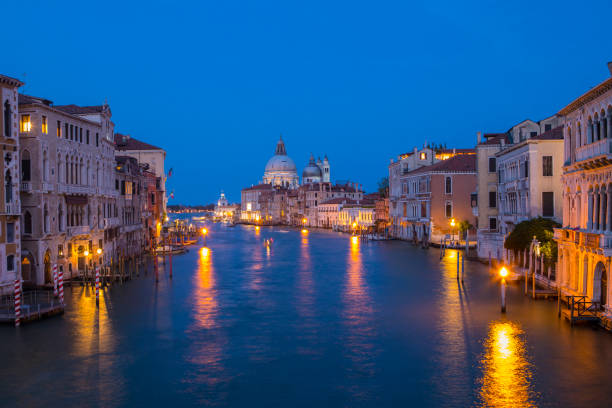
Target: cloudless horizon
215 83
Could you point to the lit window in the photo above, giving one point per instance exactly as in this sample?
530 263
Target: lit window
26 124
423 156
45 128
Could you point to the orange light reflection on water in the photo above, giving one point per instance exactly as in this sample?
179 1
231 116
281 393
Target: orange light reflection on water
205 294
506 380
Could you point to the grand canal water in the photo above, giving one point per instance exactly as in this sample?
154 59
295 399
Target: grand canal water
317 320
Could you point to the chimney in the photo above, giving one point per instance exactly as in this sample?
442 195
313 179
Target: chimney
478 137
454 151
610 67
414 150
503 142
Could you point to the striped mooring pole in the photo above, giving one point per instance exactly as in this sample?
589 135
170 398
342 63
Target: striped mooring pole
60 284
98 286
17 302
55 280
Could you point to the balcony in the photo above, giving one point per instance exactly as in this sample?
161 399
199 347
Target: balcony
73 189
12 208
47 187
579 238
79 230
26 187
594 154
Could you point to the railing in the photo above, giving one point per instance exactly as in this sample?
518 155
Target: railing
75 189
583 238
26 186
47 187
580 307
12 208
31 303
591 150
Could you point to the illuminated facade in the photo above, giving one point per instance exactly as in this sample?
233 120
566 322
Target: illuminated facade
10 203
280 170
585 240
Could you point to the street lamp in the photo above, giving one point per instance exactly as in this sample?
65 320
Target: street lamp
452 225
503 272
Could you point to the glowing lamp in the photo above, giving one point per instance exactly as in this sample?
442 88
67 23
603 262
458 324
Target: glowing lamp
503 272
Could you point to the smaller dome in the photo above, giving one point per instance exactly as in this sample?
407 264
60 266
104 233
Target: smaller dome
312 170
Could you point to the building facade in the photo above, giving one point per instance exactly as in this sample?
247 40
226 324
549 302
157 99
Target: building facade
437 194
67 192
10 202
585 240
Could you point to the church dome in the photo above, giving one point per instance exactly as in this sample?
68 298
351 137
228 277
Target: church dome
312 170
280 163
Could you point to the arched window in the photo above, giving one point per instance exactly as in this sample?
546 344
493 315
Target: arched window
60 217
46 219
25 166
27 223
8 187
7 119
45 169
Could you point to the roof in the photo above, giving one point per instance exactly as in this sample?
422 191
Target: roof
493 138
81 110
457 151
126 142
33 100
462 163
587 97
10 81
553 134
259 187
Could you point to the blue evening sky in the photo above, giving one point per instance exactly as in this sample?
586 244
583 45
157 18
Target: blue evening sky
215 82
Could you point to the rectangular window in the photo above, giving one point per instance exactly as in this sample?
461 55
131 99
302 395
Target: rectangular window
69 250
26 123
59 129
448 185
10 262
533 134
492 164
493 224
60 250
71 132
10 232
548 204
87 136
44 126
492 199
116 184
96 139
547 127
423 156
65 131
405 209
449 209
547 169
81 135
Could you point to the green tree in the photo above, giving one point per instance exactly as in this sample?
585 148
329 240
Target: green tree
383 187
542 228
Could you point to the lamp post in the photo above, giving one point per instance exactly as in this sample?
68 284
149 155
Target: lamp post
204 233
452 225
503 272
86 253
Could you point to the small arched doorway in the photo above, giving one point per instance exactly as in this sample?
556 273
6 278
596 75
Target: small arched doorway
47 263
26 269
600 284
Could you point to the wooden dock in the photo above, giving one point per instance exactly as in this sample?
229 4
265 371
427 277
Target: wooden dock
580 310
36 305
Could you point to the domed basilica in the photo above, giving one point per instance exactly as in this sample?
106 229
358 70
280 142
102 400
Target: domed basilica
281 171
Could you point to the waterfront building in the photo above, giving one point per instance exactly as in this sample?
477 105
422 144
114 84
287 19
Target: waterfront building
436 194
130 203
251 205
585 240
316 171
356 216
68 194
398 185
148 154
10 202
312 194
280 169
224 210
152 209
489 241
529 180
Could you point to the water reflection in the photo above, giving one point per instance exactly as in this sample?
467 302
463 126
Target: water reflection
452 351
506 380
205 295
206 349
358 315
